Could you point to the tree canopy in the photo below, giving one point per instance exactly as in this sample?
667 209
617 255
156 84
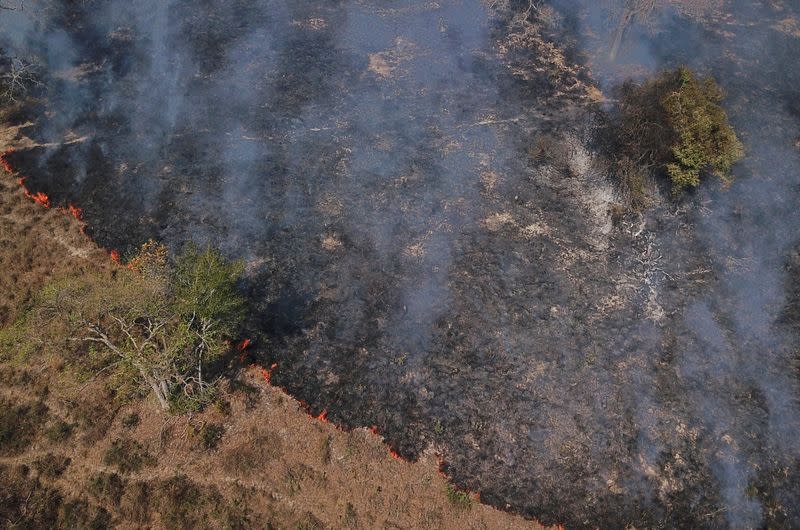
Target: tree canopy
161 322
676 122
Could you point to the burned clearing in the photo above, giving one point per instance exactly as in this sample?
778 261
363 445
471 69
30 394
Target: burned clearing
422 194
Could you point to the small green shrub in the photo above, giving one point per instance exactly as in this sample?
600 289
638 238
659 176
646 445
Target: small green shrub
459 499
210 435
181 403
223 406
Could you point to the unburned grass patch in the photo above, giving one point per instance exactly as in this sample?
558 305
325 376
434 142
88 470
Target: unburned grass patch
251 453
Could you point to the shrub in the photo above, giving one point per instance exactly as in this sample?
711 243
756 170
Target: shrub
51 466
19 425
107 487
135 503
131 420
182 503
25 502
76 513
676 122
459 499
210 435
127 455
58 431
251 454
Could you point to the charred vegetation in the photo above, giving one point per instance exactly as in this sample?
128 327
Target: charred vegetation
456 224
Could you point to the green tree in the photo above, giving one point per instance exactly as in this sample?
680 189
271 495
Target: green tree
161 322
676 122
705 140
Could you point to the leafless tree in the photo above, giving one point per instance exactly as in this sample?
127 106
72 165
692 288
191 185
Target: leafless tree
18 80
627 13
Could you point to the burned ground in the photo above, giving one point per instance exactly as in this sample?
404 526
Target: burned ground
420 192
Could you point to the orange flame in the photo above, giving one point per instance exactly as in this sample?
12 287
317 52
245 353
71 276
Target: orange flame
115 256
267 373
323 416
5 163
38 197
76 212
241 347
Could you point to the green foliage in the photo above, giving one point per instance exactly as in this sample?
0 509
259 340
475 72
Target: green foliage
155 323
205 288
14 344
459 499
706 142
127 455
676 122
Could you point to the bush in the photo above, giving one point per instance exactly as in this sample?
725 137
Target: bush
25 502
251 454
107 487
459 499
131 420
58 431
51 466
19 425
76 513
183 504
210 435
127 455
675 122
136 503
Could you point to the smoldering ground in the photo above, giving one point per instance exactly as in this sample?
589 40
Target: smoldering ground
419 194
